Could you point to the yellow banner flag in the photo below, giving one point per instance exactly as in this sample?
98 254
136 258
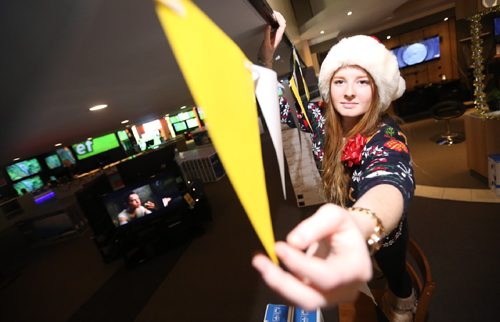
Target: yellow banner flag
219 77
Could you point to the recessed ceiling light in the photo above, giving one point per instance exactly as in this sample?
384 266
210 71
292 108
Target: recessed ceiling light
445 19
322 32
183 107
16 159
58 144
98 107
125 121
349 13
388 37
89 139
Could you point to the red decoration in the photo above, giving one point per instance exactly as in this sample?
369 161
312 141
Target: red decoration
351 155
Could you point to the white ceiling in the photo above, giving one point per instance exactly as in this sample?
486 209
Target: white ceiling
368 16
57 59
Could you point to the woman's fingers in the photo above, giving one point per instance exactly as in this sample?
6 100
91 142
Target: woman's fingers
337 269
287 285
323 223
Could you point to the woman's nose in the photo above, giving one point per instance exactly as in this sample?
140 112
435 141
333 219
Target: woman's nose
349 92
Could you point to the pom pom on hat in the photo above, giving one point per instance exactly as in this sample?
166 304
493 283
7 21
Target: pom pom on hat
371 55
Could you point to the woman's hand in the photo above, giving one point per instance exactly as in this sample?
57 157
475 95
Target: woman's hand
272 40
323 279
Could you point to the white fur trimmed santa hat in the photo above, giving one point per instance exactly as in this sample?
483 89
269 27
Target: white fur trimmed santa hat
371 55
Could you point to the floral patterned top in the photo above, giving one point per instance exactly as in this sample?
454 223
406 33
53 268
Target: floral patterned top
385 158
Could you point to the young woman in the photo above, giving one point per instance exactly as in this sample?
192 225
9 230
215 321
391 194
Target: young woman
367 176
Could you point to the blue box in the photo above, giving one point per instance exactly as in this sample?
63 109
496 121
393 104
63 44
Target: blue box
300 315
285 313
278 313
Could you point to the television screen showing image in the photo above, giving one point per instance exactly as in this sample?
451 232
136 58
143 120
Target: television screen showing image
418 52
95 146
191 123
66 156
29 184
128 204
23 169
122 135
174 119
52 161
186 115
179 127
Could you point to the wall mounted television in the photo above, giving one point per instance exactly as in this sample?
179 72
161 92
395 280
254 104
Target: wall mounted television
95 146
23 169
179 127
185 115
418 52
66 156
52 161
192 123
29 184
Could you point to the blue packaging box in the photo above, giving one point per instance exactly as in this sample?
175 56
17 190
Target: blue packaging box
285 313
300 315
278 313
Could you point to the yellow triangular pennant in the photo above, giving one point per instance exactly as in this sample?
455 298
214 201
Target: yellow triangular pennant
218 75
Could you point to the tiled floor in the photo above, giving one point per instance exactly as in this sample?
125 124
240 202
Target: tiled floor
459 194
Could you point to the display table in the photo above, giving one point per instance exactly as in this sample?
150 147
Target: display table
482 139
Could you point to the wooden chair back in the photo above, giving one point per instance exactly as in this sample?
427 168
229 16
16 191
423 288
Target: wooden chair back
363 309
420 272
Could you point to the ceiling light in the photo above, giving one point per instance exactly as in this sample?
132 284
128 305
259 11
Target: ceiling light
349 13
98 107
388 37
89 139
445 19
125 121
183 107
322 32
16 159
58 144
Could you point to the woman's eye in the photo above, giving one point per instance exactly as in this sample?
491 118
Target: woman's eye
338 81
364 82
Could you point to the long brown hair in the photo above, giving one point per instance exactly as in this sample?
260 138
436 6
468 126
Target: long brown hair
335 175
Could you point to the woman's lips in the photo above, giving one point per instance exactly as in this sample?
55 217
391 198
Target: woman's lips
348 104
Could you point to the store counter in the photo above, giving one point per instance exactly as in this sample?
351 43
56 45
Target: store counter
482 140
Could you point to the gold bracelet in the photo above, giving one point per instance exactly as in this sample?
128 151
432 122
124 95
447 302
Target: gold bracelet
375 240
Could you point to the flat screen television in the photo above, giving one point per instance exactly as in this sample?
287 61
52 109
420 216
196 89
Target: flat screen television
29 184
66 156
95 146
192 123
23 169
418 52
150 198
179 127
174 119
52 161
185 115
